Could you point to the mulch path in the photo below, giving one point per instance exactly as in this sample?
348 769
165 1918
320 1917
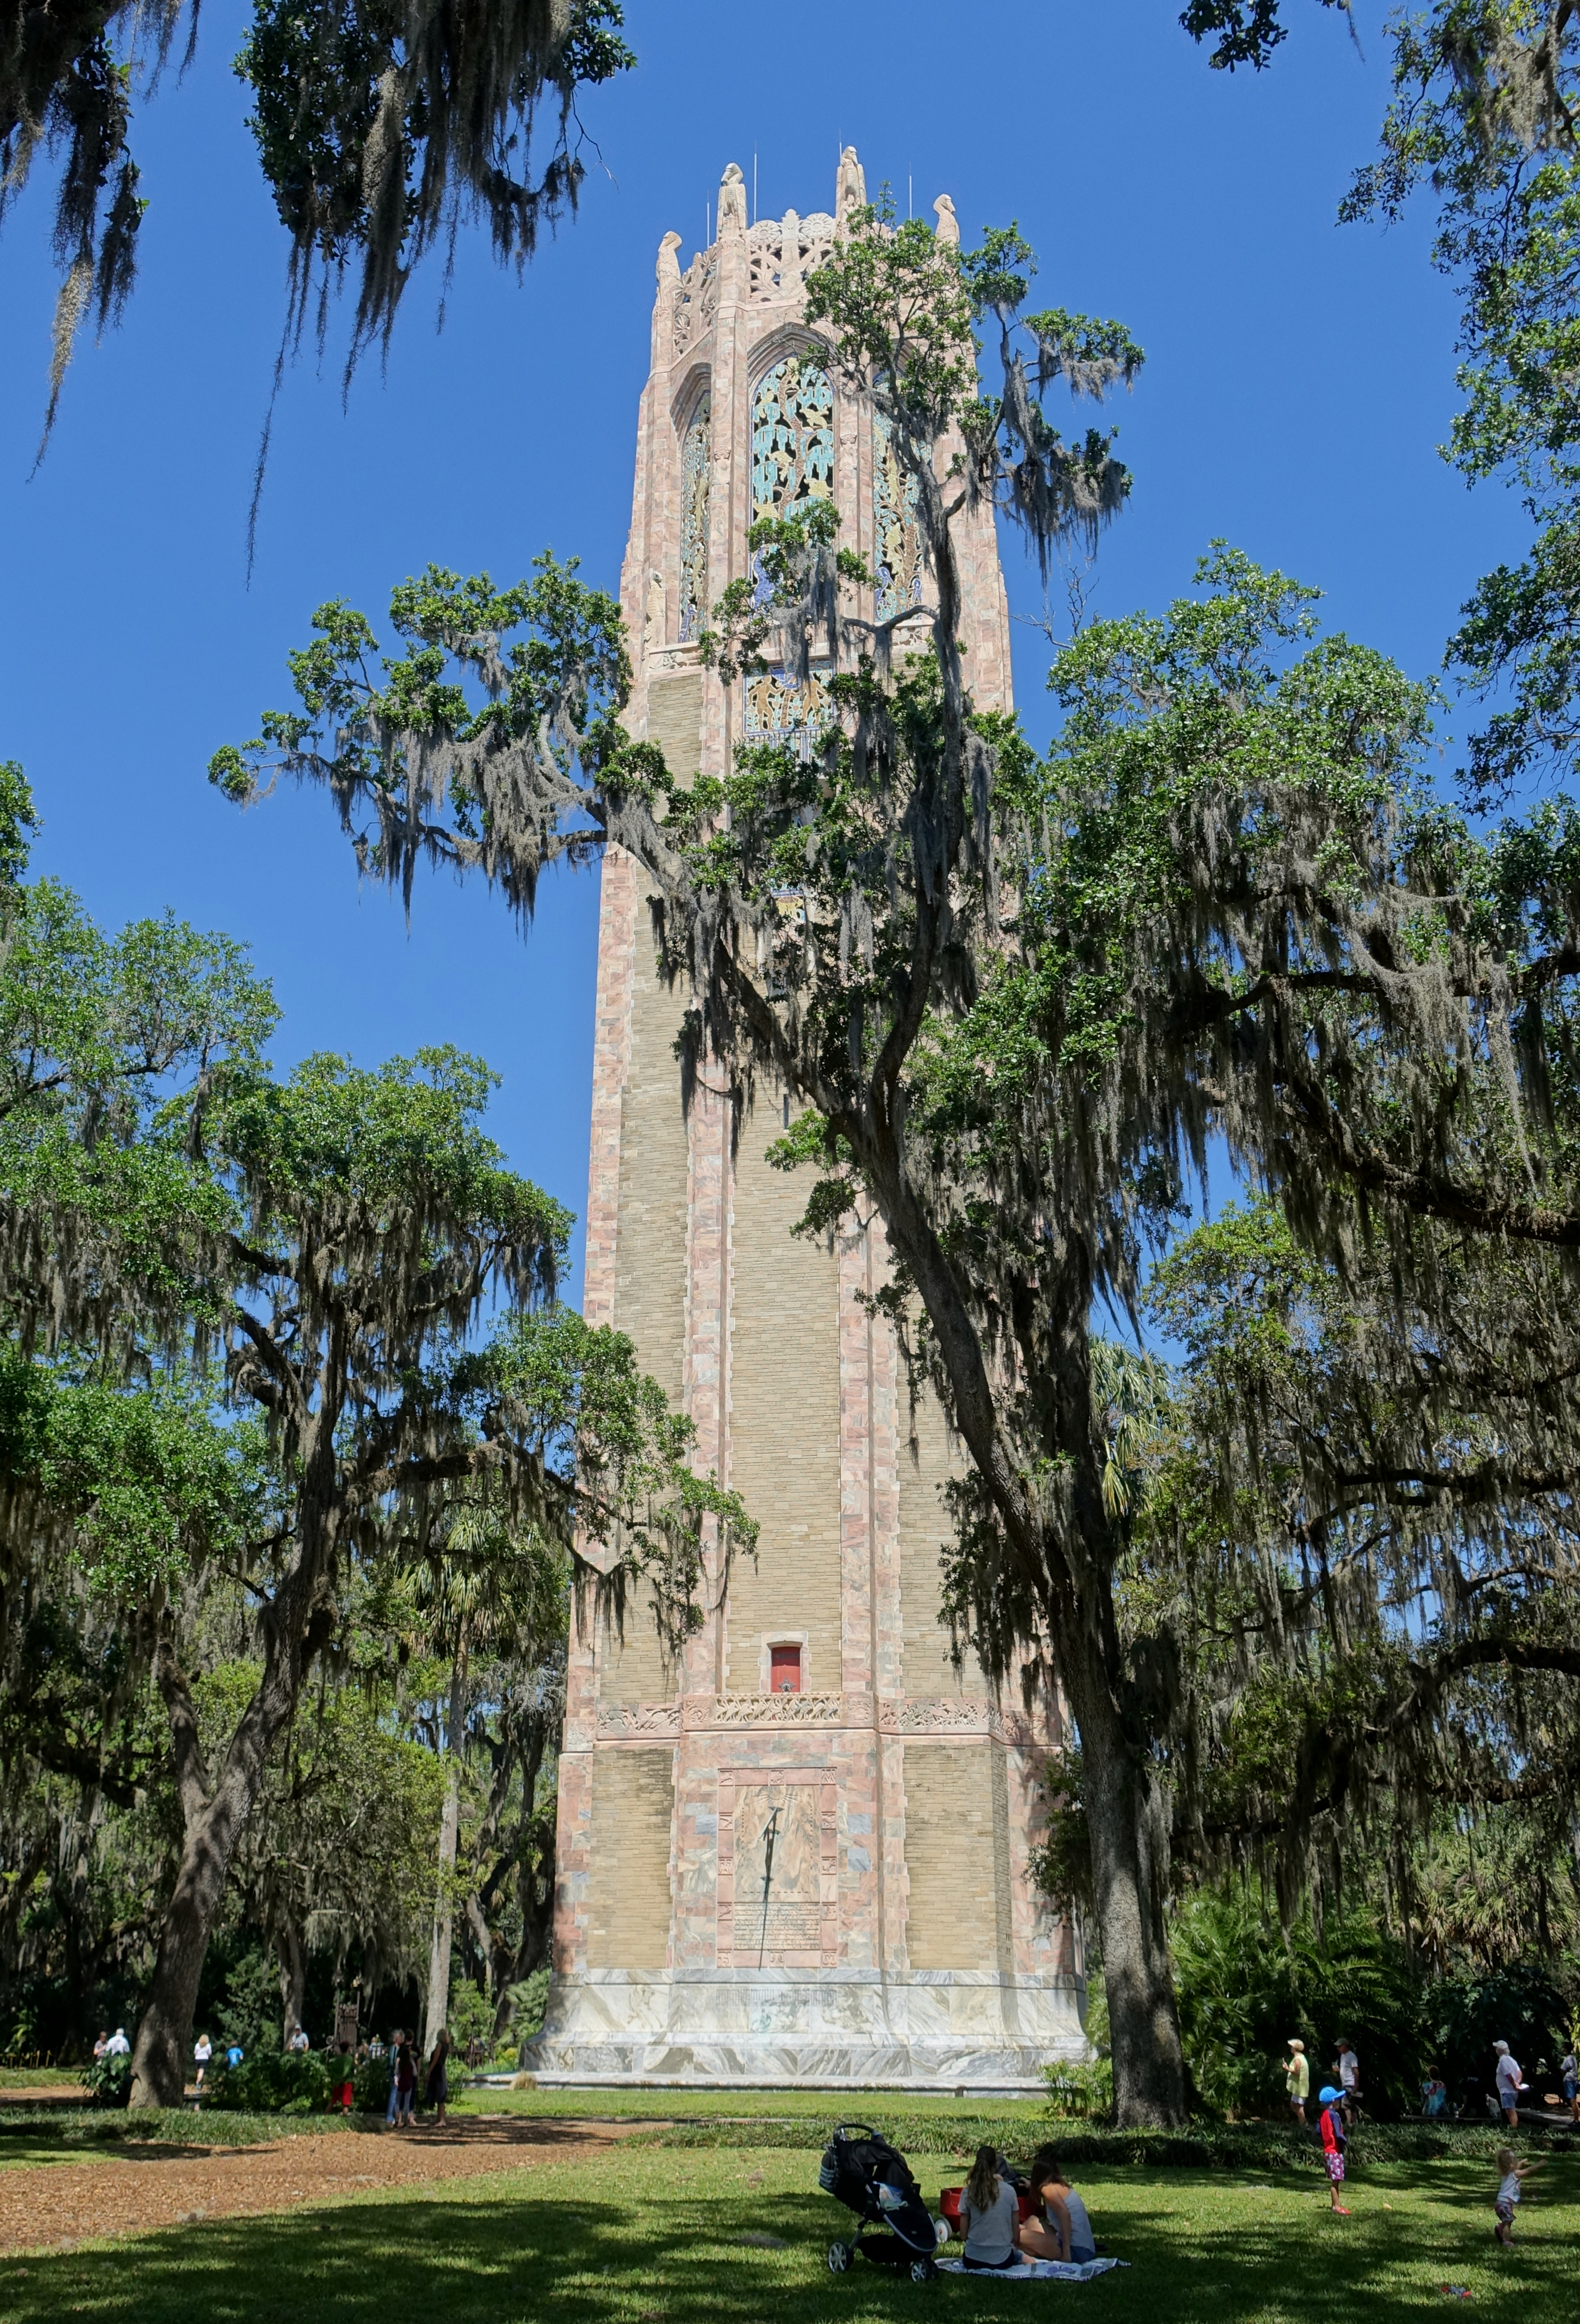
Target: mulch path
132 2188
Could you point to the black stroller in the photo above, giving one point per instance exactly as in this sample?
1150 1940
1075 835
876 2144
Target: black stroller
871 2177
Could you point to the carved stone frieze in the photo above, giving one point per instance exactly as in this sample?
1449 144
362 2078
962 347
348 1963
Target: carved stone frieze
767 1710
617 1721
955 1715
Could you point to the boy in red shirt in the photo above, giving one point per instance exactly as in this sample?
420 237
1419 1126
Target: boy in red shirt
1334 2140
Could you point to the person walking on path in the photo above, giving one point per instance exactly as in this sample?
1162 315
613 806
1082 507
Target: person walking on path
1510 2174
1335 2139
1297 2074
1349 2078
1511 2082
202 2051
405 2085
1570 2071
437 2091
396 2039
118 2047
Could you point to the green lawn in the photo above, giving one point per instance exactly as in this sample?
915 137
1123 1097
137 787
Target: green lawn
650 2236
34 2078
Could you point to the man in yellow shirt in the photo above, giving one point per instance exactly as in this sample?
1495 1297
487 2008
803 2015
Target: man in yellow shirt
1298 2078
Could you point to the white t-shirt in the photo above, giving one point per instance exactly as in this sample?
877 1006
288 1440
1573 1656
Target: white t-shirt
1509 2189
118 2047
1349 2070
1507 2079
203 2049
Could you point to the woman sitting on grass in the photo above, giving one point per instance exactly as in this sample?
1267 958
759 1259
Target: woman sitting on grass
1061 2229
988 2213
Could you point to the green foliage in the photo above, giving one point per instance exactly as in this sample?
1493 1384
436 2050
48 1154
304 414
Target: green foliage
1245 1986
370 2085
439 745
1481 117
281 2082
379 128
1247 31
249 2014
1522 2003
108 2079
528 2000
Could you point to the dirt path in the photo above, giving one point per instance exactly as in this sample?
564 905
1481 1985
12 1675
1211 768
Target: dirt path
132 2188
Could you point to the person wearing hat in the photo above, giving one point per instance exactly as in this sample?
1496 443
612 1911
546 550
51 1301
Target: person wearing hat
1330 2122
1297 2074
1511 2082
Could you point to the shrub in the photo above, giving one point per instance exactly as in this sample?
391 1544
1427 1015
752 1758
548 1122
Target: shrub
1244 1987
108 2080
279 2082
370 2085
1520 2005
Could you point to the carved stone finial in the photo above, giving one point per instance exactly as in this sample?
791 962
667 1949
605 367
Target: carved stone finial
668 264
849 186
949 226
731 202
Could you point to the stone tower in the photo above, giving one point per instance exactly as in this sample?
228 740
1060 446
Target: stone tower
896 1937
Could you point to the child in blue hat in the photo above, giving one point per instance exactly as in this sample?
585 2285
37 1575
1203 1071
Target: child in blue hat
1334 2140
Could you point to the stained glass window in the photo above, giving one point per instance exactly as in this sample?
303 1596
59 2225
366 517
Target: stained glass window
695 457
791 463
897 559
792 437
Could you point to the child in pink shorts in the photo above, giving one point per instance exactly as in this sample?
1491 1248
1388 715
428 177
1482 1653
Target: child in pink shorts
1334 2140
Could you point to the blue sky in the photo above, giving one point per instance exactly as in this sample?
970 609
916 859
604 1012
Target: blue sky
1299 376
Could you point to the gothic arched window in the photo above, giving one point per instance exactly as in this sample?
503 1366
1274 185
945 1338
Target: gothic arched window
792 437
695 460
791 463
897 553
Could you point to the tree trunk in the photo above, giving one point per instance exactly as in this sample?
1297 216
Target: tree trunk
213 1823
438 1989
1124 1822
159 2060
293 1979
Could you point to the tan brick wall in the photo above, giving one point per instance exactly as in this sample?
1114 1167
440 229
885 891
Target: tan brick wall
674 720
783 1422
650 1265
924 1528
627 1919
957 1857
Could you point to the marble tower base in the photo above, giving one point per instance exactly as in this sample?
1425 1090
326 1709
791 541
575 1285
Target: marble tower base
829 2029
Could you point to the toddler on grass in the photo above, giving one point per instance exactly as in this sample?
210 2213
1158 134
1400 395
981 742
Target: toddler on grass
1510 2174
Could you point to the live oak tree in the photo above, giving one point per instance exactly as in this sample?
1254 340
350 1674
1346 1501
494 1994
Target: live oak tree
241 1317
1359 1527
894 843
381 126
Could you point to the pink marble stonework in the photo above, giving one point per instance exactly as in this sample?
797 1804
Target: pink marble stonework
801 1852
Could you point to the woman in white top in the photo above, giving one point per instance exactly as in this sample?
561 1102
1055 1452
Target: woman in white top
1062 2231
989 2215
202 2051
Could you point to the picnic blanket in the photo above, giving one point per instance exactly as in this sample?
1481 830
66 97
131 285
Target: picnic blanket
1045 2271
